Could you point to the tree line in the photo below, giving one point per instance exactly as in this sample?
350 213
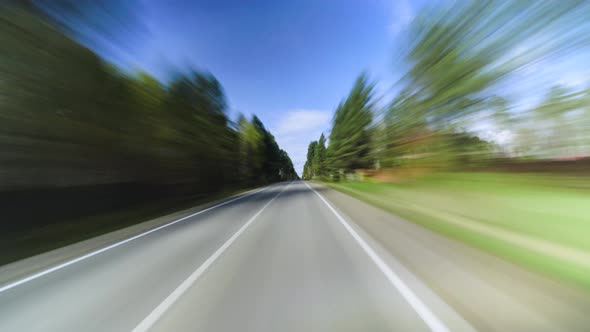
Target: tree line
70 120
460 64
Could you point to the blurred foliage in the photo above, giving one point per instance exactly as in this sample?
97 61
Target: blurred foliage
319 157
460 60
316 164
350 139
308 166
71 120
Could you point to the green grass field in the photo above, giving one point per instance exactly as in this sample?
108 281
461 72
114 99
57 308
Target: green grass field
541 222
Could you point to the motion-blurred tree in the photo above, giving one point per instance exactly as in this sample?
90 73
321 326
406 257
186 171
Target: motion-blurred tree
349 146
458 55
555 123
251 150
319 157
308 167
71 120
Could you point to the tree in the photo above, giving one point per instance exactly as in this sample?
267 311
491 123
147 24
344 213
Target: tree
87 123
75 128
350 138
319 157
251 152
555 125
305 171
308 167
286 171
458 56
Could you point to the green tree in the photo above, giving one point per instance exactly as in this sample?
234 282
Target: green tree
458 55
555 123
251 152
350 144
75 128
286 171
319 157
308 167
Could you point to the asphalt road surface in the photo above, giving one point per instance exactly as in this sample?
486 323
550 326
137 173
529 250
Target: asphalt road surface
285 258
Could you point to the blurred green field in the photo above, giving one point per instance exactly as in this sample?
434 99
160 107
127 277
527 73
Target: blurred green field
541 222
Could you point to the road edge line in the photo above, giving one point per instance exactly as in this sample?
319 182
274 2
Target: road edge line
114 245
433 322
161 309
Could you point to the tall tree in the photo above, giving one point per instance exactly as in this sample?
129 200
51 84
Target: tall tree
251 152
90 130
308 167
459 55
286 171
350 138
319 157
556 130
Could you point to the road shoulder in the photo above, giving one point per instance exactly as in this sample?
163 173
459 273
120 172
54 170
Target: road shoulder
21 269
490 293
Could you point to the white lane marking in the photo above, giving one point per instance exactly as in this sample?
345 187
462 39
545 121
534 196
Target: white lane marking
94 253
155 315
433 322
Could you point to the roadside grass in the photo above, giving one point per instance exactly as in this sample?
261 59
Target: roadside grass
541 222
36 240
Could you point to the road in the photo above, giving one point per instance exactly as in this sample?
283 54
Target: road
276 260
286 258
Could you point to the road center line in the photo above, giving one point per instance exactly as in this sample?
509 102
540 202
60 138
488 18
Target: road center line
153 317
433 322
94 253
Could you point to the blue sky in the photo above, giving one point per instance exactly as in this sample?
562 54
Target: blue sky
289 62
